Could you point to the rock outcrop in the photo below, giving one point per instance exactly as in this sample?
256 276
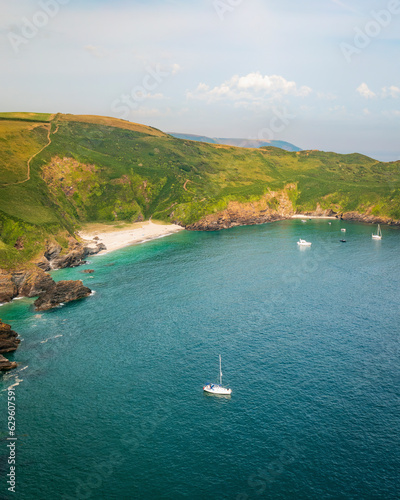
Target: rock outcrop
35 282
231 218
23 283
8 289
60 293
93 250
6 364
368 218
272 206
31 283
9 342
54 258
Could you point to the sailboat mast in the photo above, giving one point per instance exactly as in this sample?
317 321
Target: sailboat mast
220 371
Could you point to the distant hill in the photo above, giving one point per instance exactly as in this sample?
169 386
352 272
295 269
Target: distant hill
240 143
58 171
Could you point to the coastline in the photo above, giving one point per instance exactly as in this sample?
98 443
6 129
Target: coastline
304 216
114 237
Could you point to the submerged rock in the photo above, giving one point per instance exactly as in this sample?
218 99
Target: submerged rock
61 293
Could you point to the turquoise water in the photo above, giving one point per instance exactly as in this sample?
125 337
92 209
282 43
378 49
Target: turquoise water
110 402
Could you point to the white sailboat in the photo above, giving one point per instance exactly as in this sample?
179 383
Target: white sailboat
217 388
378 235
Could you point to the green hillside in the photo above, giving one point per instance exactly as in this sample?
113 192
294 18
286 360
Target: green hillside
57 171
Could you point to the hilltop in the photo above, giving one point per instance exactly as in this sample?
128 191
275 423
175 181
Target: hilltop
58 171
241 143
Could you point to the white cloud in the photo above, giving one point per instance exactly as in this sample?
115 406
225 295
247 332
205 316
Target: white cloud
251 87
175 69
391 91
365 92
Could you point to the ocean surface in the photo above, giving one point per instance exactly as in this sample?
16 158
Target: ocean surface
109 389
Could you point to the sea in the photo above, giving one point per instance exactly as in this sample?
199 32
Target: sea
109 390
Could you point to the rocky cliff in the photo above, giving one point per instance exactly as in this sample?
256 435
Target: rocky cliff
9 342
368 218
34 281
272 206
55 258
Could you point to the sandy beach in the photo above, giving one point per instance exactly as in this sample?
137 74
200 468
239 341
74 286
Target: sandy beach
302 216
116 237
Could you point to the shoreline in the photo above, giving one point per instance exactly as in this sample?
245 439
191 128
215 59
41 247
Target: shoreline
116 238
304 216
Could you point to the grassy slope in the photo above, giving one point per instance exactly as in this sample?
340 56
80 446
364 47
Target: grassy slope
104 169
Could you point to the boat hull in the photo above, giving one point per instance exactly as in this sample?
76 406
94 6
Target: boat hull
217 390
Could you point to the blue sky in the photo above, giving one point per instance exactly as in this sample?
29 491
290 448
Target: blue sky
321 74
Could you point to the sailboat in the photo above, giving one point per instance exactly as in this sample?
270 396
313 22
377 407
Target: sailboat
217 388
378 235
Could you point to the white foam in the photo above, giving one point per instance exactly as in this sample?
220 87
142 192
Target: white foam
17 382
50 338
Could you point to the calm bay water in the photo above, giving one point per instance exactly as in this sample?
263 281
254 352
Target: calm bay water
110 402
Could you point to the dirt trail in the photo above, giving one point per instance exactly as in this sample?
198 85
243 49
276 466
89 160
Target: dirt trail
48 126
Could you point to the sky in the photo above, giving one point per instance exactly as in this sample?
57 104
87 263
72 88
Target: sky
321 74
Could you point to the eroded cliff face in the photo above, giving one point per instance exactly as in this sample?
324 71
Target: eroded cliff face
275 205
9 342
368 218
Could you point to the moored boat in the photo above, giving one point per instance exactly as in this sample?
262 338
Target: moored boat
217 388
304 243
378 235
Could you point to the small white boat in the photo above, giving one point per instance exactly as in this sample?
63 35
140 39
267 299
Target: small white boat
303 220
304 243
378 235
343 230
217 388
